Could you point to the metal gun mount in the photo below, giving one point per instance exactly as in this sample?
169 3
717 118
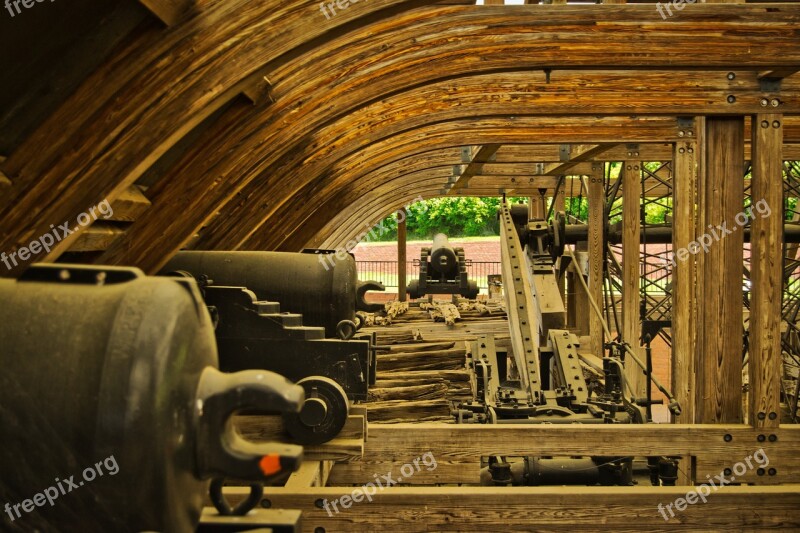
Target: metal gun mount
543 381
550 386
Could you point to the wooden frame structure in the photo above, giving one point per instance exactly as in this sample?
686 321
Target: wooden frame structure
234 124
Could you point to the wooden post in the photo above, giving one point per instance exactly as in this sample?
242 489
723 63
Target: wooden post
719 374
597 221
766 270
631 227
683 313
401 255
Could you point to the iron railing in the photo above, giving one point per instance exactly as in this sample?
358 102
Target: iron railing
386 272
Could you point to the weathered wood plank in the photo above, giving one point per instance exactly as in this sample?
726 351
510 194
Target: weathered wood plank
568 509
631 227
129 205
596 221
766 271
468 442
96 237
719 376
684 352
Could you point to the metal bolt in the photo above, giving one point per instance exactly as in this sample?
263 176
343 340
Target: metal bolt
765 123
319 503
689 133
691 150
266 504
728 471
681 150
681 133
731 99
773 415
764 102
728 437
773 438
762 416
772 471
761 438
731 75
776 124
775 102
760 471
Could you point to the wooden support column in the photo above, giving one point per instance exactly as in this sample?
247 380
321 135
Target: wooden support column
631 228
766 270
719 372
401 254
597 221
683 311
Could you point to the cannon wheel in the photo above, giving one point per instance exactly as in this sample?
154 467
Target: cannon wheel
323 414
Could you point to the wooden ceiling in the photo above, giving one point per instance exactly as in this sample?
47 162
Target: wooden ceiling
243 124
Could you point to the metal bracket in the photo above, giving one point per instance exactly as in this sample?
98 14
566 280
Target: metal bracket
769 85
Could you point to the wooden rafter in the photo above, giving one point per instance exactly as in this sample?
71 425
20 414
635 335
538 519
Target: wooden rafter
480 156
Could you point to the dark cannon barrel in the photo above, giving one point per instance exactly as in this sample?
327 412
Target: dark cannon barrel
321 287
443 256
112 411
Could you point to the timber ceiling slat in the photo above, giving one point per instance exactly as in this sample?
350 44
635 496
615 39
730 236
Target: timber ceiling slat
237 223
588 37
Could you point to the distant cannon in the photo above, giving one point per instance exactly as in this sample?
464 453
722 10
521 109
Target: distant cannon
442 270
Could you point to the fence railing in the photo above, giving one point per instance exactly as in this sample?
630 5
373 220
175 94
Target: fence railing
386 272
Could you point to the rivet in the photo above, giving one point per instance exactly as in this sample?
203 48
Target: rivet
731 75
728 437
731 99
773 415
762 416
681 150
761 438
765 123
773 438
728 471
760 471
775 102
772 471
764 102
776 124
681 133
691 150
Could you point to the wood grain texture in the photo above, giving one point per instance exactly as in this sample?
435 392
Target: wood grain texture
719 375
766 267
596 221
558 509
631 228
684 353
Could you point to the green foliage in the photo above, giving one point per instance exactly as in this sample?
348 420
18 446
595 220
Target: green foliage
466 216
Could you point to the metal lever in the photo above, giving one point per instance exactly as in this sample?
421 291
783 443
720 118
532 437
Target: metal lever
221 452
